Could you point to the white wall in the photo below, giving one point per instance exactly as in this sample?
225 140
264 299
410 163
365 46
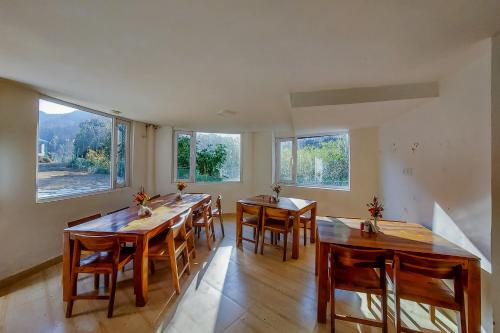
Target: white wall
231 192
31 233
495 176
436 164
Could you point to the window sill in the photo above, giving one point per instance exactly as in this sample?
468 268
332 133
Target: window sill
80 195
209 183
317 187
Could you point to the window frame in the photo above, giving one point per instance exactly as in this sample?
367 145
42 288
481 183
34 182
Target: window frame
115 120
277 161
192 157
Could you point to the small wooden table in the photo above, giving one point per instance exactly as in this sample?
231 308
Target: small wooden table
131 228
296 207
396 236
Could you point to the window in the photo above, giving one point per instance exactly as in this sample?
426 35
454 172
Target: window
78 151
315 161
207 157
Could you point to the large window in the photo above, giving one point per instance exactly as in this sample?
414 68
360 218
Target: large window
314 161
207 157
79 151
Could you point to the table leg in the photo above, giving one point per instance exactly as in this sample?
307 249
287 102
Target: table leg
313 224
141 271
323 292
296 236
66 269
473 297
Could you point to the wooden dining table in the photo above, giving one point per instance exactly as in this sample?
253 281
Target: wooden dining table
396 236
296 208
129 227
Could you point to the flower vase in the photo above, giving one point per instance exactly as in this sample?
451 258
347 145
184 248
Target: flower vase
375 224
143 210
179 195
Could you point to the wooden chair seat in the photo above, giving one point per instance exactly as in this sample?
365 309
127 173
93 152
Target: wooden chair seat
276 221
367 279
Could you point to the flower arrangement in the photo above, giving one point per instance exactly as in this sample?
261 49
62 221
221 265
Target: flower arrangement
375 208
276 189
181 186
141 197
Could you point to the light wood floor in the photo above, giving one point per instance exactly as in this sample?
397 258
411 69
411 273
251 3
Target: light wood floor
230 290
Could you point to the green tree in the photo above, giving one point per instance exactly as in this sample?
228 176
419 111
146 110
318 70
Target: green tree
210 160
94 134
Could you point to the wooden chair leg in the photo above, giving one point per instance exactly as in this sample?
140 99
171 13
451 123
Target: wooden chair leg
432 313
69 308
332 298
254 234
462 327
175 274
106 280
384 312
187 264
256 230
272 238
212 226
199 231
397 313
285 239
152 266
263 236
96 281
112 293
221 224
193 250
207 232
305 233
369 300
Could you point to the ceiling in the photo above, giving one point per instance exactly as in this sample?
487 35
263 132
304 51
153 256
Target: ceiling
181 62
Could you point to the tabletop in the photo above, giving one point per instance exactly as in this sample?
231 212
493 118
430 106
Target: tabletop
398 236
291 204
127 221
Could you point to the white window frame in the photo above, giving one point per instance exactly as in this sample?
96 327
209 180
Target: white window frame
115 121
277 161
192 157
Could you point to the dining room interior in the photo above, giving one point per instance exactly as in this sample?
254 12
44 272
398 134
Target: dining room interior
250 166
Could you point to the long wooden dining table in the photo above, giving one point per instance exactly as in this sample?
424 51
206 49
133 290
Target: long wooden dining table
296 207
395 236
129 227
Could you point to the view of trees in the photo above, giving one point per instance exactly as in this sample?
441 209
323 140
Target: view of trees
322 160
217 157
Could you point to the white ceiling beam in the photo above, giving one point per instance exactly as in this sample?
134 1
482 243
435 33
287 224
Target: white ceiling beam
364 95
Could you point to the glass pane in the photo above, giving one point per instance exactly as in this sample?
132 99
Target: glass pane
217 157
286 159
183 156
121 154
74 151
323 161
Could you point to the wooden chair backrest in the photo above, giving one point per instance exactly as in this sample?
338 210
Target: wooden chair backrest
178 229
109 243
207 211
436 268
251 209
218 203
276 214
83 220
345 256
118 210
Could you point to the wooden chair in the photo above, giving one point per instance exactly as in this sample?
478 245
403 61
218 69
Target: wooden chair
355 269
170 247
118 210
108 258
86 253
190 232
420 279
251 216
217 212
277 221
305 222
206 221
